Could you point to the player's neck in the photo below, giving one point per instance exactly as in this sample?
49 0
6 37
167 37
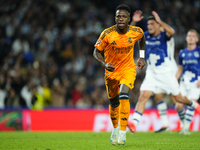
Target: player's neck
191 47
122 31
156 33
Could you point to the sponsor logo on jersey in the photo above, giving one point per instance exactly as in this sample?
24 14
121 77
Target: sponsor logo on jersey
153 43
122 50
192 61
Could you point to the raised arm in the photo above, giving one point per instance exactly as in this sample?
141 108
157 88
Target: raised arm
137 16
99 58
170 31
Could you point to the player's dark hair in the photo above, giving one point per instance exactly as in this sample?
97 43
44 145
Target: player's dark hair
123 7
151 18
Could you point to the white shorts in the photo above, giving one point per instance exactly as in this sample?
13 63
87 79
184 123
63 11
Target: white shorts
191 91
161 83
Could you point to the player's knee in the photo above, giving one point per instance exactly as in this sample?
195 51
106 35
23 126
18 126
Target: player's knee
115 101
179 106
144 96
179 98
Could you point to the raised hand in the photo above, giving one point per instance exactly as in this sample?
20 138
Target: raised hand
137 16
155 14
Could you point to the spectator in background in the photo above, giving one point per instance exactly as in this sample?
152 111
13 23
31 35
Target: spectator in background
37 101
58 93
50 25
20 45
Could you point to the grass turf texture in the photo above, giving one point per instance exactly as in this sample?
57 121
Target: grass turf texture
97 141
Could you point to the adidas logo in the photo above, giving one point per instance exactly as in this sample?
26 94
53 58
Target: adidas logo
113 43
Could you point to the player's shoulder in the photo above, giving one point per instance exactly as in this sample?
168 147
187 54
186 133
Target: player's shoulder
135 29
183 50
107 31
198 48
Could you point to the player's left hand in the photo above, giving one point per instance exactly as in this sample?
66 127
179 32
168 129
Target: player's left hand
141 63
198 83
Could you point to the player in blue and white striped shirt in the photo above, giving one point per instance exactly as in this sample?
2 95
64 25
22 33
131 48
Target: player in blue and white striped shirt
189 71
160 77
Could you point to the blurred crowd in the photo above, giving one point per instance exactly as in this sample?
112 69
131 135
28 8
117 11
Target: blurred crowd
46 49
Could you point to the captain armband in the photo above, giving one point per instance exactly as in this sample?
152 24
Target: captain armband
142 53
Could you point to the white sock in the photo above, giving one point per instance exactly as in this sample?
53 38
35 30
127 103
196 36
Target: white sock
188 117
162 109
136 117
181 115
193 104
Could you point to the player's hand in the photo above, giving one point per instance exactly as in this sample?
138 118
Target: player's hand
155 14
110 67
141 63
198 84
137 16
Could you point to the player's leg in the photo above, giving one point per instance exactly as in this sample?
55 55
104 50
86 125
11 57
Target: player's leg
193 104
192 94
126 84
175 91
124 111
113 95
162 109
139 109
181 113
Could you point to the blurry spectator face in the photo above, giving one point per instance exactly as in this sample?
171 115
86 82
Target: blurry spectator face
122 19
153 26
192 38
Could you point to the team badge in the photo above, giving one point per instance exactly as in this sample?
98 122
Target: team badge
130 40
99 41
159 36
183 55
196 54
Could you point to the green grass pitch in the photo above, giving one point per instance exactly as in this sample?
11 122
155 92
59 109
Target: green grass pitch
97 141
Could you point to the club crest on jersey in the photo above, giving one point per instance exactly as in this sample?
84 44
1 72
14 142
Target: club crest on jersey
196 54
130 40
99 41
113 43
183 55
159 36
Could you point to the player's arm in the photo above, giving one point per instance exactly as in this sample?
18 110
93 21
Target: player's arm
179 71
99 58
169 30
141 61
137 16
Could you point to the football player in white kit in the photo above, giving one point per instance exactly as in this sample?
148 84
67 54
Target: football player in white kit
189 71
159 77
